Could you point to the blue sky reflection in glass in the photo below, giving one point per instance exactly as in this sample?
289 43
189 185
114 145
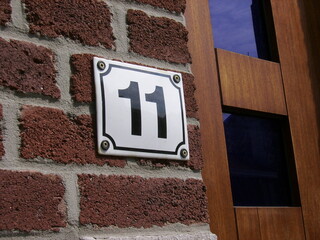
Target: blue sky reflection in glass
233 26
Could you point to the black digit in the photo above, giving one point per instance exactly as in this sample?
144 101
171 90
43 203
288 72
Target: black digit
132 93
158 98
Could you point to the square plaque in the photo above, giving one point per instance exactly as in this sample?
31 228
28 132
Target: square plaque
140 111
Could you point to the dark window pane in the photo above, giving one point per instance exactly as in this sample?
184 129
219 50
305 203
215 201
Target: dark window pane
244 26
258 162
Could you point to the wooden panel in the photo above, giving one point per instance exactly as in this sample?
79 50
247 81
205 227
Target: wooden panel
248 223
301 106
269 223
216 171
281 224
251 83
312 27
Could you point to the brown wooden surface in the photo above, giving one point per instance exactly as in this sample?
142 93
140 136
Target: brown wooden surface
281 224
311 25
248 223
250 83
216 171
312 32
302 109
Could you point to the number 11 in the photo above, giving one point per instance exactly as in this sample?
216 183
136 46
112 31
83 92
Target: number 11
157 97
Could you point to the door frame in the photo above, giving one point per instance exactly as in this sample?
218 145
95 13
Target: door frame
302 101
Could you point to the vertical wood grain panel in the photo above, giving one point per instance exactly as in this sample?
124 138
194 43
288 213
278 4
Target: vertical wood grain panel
251 83
301 106
216 171
281 224
270 223
312 30
312 33
248 223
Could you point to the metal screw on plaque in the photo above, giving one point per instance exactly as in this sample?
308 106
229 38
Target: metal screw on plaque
105 145
184 153
101 65
176 78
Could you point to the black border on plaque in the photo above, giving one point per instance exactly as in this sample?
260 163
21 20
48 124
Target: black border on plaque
104 133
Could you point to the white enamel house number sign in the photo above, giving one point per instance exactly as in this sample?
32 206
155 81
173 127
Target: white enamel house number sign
140 111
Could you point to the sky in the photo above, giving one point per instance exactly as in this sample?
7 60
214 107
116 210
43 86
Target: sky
232 26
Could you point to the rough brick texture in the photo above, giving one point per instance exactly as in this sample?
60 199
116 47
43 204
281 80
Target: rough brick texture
86 21
129 201
2 151
5 11
49 133
157 37
31 201
27 68
171 5
82 83
196 160
189 95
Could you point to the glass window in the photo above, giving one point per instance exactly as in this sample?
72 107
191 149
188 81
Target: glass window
260 168
245 27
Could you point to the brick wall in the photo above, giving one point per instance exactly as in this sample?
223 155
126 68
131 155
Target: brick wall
53 185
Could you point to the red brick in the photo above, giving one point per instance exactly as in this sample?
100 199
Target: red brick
189 95
49 133
27 68
171 5
131 201
2 151
196 160
158 37
86 21
31 201
82 83
5 12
